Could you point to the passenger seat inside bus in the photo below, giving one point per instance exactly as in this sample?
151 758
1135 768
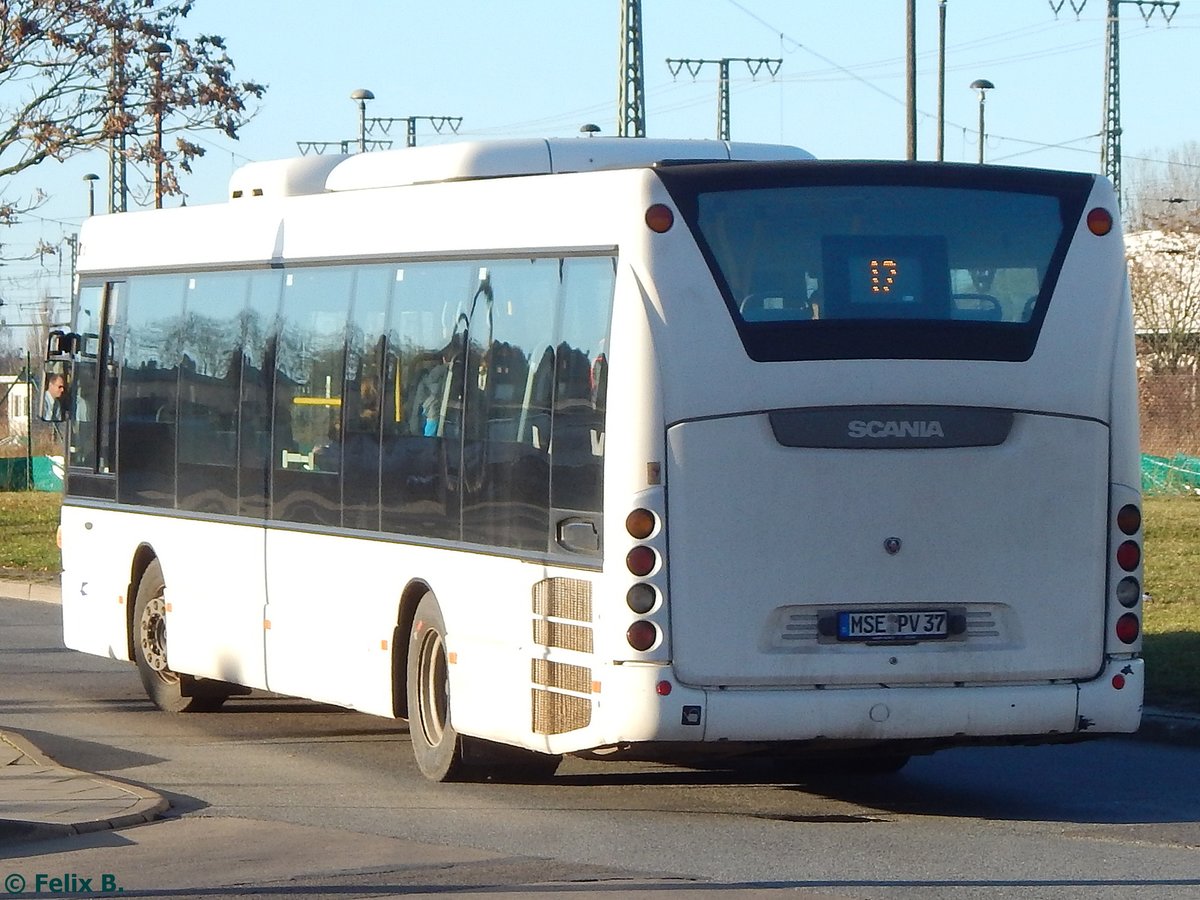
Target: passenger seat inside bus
775 306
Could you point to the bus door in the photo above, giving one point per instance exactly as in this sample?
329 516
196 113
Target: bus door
91 622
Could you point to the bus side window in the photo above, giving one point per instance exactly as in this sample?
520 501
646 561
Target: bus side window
309 378
581 386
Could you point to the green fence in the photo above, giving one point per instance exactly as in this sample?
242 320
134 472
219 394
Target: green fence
1160 474
1177 474
42 473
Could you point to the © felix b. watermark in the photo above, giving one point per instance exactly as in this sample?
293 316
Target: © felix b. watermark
66 883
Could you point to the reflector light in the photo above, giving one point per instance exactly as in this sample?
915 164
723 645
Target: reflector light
1118 681
1129 554
1129 519
659 218
640 560
640 524
663 688
641 598
1099 221
1128 628
1129 592
641 635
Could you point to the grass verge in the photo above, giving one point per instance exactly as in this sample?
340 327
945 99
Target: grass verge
28 520
1172 615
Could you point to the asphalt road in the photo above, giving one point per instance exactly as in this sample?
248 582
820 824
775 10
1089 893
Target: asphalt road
275 788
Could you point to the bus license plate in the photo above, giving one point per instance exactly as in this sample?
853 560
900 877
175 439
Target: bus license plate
909 625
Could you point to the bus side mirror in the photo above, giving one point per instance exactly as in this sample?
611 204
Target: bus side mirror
61 345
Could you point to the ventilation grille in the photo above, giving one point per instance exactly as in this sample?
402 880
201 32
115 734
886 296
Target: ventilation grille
558 713
562 620
563 598
562 635
563 676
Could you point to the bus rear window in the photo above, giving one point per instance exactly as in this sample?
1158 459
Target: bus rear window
915 262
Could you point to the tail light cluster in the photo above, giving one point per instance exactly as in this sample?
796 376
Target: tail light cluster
1128 559
643 561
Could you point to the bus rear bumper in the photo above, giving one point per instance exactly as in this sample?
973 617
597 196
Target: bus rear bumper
892 714
1112 702
943 715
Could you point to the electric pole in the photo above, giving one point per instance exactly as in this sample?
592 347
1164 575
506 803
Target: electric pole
1110 147
439 123
631 89
117 168
368 126
911 75
695 65
941 83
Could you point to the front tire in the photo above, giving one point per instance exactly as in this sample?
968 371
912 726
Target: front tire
165 687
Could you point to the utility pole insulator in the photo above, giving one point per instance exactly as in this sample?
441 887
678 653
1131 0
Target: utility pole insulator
694 66
1110 146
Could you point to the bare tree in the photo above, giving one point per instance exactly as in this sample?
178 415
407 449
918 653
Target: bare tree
1164 278
1162 213
76 73
1164 192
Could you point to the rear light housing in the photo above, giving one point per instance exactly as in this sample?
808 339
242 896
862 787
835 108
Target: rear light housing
645 592
1124 616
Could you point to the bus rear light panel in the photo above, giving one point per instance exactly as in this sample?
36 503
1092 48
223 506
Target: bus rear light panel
644 598
1125 575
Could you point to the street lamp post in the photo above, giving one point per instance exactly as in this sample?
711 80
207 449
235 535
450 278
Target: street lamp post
91 178
983 86
157 52
362 95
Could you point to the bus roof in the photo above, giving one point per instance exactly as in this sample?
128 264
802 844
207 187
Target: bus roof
482 159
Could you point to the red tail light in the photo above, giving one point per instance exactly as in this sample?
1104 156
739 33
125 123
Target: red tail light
1128 628
1129 519
641 635
1129 555
641 560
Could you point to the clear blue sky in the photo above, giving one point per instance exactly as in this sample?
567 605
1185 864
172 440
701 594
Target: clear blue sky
522 68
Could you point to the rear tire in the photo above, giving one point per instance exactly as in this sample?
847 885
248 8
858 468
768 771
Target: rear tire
442 753
436 745
165 687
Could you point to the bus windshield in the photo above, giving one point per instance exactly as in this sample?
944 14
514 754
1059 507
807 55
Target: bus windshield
816 267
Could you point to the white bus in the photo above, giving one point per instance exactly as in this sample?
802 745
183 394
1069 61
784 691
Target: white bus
609 445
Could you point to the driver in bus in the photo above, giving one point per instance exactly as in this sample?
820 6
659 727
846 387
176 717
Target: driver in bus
53 404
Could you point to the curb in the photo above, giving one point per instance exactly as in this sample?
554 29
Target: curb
1169 727
131 805
28 590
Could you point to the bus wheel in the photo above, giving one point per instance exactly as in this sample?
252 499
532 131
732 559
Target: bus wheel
436 745
164 687
442 753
